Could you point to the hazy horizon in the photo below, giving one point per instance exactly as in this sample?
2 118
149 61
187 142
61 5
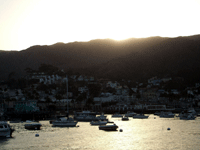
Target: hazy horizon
45 22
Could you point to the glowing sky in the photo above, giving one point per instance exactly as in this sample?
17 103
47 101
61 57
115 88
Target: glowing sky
24 23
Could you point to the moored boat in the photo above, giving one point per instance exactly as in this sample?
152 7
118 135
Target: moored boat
117 115
102 117
186 116
112 127
166 115
98 122
5 129
157 113
85 116
140 116
130 114
32 125
65 122
125 118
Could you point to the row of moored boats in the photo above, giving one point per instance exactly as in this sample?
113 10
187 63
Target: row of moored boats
101 120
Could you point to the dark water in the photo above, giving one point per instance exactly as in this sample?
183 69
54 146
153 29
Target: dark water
138 134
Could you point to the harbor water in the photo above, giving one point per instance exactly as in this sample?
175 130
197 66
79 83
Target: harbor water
136 134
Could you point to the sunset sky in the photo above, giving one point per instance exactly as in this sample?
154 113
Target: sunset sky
24 23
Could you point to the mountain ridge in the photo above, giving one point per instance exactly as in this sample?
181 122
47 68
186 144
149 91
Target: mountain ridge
132 58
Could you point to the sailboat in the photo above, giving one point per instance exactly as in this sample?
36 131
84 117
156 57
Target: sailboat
141 115
65 121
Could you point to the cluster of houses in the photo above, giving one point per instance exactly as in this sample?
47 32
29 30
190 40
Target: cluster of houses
113 95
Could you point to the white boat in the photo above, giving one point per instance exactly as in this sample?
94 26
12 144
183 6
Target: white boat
85 116
186 116
5 129
189 117
101 117
117 115
166 115
112 127
191 111
31 125
65 122
140 116
130 114
98 122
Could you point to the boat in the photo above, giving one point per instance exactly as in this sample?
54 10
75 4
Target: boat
125 118
130 114
65 122
191 111
31 125
189 117
5 129
57 118
186 116
166 115
101 117
157 113
15 121
85 116
140 116
98 122
112 127
117 115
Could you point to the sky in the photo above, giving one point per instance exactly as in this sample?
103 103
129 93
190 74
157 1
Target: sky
24 23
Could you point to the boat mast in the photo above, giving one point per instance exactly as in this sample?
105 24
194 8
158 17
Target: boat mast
67 98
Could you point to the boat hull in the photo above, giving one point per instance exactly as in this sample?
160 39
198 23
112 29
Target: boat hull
125 119
64 124
33 127
108 127
98 123
86 119
140 117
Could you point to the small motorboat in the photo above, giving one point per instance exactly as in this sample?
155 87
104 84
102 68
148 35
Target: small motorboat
65 122
116 115
5 129
112 127
30 125
125 118
98 122
130 114
140 116
102 117
110 121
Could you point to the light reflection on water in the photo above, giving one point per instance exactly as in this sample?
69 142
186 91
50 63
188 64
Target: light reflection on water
137 134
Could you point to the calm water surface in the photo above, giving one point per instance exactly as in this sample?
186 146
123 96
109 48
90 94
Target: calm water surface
138 134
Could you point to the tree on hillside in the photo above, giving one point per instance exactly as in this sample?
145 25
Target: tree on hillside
8 100
48 69
29 70
94 89
81 97
48 100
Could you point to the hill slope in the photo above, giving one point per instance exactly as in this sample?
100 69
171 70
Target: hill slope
131 59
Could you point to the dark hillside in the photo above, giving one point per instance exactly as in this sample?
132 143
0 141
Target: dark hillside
136 59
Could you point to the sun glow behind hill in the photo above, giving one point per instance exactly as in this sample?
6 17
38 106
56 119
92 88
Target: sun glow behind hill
44 22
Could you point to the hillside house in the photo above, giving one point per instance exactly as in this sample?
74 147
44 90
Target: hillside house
150 93
80 78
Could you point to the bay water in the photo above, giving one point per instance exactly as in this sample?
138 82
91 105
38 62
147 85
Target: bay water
137 134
